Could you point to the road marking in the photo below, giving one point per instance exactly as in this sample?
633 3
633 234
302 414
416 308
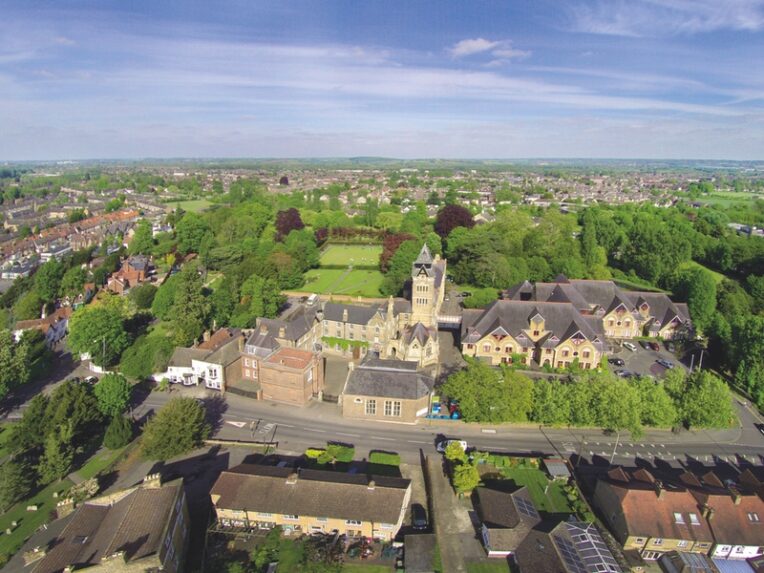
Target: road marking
315 430
237 424
380 438
286 425
488 431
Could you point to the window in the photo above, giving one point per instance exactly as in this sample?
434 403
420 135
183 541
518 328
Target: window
508 350
486 348
254 373
371 407
291 517
627 323
352 522
753 517
639 540
321 520
309 377
610 322
246 373
657 541
678 517
246 362
498 349
265 515
535 333
681 543
392 408
469 346
694 519
586 354
396 409
566 353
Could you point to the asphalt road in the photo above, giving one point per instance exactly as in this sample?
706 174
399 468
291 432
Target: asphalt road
295 429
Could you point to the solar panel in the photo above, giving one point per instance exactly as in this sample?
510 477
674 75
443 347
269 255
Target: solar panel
590 548
570 556
526 507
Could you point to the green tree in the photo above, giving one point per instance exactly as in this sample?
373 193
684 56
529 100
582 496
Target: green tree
519 390
15 483
143 239
14 362
73 281
455 453
29 432
191 308
465 477
113 394
259 298
657 407
550 403
178 428
481 298
47 280
119 432
147 355
164 300
56 461
706 402
617 405
224 300
698 287
400 267
143 296
190 232
98 331
74 404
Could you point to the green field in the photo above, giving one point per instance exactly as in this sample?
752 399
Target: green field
496 567
730 198
193 205
338 281
356 255
553 500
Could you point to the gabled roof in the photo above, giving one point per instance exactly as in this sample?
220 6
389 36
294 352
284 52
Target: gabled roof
356 314
388 379
424 257
418 332
314 493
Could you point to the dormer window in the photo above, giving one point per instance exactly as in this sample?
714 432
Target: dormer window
753 517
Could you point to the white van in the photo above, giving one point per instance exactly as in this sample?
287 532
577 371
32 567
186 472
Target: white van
630 346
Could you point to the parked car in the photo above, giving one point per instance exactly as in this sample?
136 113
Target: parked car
665 363
442 445
630 346
654 346
90 380
616 361
465 294
760 427
645 344
418 516
624 373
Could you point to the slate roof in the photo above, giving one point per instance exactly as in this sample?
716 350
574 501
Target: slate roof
182 357
225 355
133 524
388 379
357 314
418 332
314 493
562 319
296 324
509 517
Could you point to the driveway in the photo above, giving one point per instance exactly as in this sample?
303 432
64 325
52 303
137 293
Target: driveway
335 375
642 361
457 538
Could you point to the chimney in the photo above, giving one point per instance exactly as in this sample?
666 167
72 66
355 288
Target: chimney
65 507
736 497
711 512
371 485
292 478
34 555
282 332
263 329
153 481
344 315
659 491
206 335
241 342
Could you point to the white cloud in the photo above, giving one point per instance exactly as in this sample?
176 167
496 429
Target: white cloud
473 46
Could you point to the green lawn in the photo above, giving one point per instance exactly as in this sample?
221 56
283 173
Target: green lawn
718 277
365 568
493 567
338 281
728 198
553 500
28 521
5 434
193 205
99 462
357 255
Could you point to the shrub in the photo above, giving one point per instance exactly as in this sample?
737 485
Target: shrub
314 453
340 452
385 458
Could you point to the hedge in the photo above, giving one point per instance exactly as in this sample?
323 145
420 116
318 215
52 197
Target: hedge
385 458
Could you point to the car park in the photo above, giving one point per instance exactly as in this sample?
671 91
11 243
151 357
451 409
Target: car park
670 346
616 361
624 373
654 346
665 363
630 346
442 445
418 516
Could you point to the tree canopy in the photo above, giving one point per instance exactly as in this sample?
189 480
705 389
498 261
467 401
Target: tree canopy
178 427
98 331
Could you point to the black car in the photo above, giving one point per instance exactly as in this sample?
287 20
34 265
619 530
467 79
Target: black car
760 427
418 516
616 361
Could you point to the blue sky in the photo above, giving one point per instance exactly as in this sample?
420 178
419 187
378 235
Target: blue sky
409 79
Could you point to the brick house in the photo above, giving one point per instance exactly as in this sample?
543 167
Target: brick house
215 362
305 501
388 390
133 272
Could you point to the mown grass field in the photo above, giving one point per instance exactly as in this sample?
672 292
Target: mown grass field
547 495
729 198
192 205
356 255
357 282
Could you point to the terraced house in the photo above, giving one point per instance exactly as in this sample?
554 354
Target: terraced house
622 313
250 496
542 333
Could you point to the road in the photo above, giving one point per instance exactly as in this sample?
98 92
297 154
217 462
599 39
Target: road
295 429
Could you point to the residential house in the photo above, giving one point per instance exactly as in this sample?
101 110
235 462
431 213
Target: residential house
134 271
564 547
386 390
651 517
54 326
143 528
676 562
214 362
623 313
547 333
305 501
505 519
734 514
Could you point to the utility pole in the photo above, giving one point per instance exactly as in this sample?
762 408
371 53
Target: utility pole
618 437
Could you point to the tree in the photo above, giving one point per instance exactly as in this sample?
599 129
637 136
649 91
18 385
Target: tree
191 308
451 217
143 239
118 433
705 402
113 394
454 452
259 298
224 300
286 222
98 331
657 408
466 477
755 286
143 296
178 428
74 404
161 306
47 280
190 232
147 355
400 267
698 287
29 306
14 362
29 433
56 461
73 281
550 403
481 298
15 483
